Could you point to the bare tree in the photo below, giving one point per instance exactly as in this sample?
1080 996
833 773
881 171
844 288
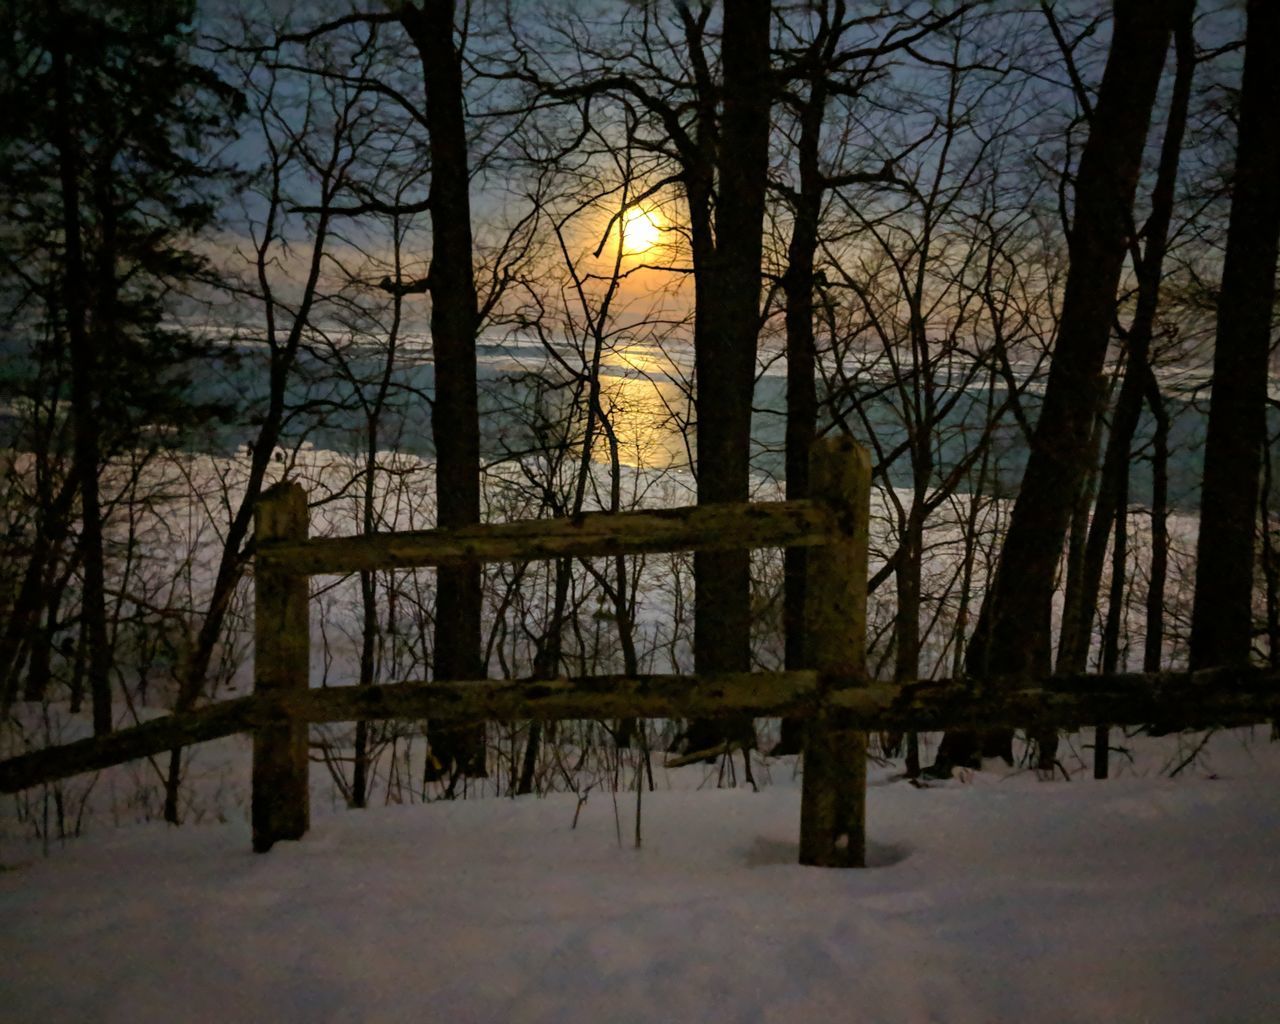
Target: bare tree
727 323
1012 635
455 319
1222 617
831 64
109 177
286 308
1138 377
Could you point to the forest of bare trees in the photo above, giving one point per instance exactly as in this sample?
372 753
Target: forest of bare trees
446 264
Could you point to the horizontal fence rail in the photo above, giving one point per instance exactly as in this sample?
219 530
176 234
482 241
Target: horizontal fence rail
800 523
1165 700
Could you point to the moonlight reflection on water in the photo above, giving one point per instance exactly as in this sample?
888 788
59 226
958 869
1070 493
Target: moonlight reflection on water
646 409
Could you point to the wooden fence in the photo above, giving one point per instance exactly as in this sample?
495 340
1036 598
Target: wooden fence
834 696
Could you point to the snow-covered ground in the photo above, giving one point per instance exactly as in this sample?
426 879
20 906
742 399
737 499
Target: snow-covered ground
996 898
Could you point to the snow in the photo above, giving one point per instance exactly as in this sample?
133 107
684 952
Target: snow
996 898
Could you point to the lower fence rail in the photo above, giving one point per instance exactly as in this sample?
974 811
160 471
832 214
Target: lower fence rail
1166 700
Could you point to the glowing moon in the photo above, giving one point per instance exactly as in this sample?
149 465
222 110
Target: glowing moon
640 231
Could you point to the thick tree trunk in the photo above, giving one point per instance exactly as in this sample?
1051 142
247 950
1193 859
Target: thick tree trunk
454 320
1124 420
725 339
1222 615
1012 636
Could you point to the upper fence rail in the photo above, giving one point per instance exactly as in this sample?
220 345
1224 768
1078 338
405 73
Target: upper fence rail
803 523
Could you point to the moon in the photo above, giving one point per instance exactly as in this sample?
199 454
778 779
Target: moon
640 231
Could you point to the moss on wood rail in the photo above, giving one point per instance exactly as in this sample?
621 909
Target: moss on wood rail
704 527
1171 700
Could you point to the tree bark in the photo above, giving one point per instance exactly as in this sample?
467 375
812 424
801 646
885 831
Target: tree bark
76 293
454 321
727 326
1077 611
802 396
1222 613
1124 421
1153 653
1012 635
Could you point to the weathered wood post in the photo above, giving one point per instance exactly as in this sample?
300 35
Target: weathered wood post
834 794
281 664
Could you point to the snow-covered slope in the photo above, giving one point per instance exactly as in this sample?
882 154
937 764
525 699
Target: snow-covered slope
998 899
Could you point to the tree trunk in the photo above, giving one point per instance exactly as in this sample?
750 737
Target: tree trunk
1077 611
1222 614
371 633
1124 420
1012 635
368 651
802 396
727 324
546 664
76 293
454 320
907 576
1270 570
1153 654
40 659
1115 623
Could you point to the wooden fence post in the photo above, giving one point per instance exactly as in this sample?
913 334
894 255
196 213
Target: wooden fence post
281 664
834 794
